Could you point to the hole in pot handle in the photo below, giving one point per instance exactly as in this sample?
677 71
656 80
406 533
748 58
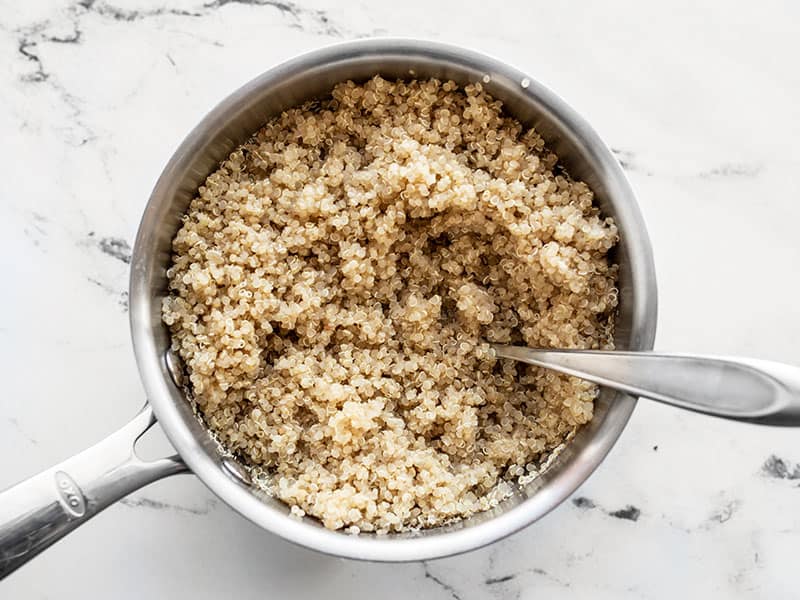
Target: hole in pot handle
39 511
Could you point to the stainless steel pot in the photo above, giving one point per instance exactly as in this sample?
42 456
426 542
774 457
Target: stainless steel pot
37 512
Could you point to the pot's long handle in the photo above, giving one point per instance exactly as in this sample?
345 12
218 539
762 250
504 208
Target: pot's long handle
39 511
744 389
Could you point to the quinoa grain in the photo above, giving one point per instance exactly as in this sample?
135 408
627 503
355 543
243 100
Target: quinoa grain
337 280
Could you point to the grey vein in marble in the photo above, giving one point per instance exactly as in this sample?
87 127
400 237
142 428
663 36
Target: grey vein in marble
115 248
446 587
732 170
319 19
29 38
779 468
502 579
27 48
724 513
121 14
311 20
513 584
627 160
627 513
583 502
122 296
35 229
22 433
631 163
549 576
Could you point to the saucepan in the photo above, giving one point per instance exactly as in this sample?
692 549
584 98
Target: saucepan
37 512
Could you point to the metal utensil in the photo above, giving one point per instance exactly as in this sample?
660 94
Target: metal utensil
41 510
744 389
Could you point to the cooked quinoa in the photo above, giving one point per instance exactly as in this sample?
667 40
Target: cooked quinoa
336 284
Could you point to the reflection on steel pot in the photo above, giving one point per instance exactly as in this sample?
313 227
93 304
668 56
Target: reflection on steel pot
41 510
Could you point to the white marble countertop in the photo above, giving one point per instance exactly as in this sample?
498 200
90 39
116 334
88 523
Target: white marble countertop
699 99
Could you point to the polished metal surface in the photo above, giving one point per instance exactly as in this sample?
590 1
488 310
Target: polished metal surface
582 152
236 470
174 368
743 389
41 510
33 504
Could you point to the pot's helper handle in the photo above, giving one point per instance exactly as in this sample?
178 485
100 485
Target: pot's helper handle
39 511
